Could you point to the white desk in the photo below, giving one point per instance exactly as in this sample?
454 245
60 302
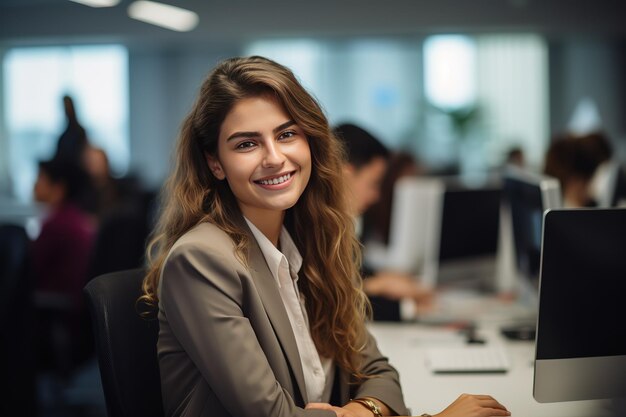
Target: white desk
425 392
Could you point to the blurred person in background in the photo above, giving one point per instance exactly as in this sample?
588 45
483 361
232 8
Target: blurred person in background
108 194
515 156
72 148
365 169
377 218
123 211
60 260
608 185
73 140
119 208
75 149
569 160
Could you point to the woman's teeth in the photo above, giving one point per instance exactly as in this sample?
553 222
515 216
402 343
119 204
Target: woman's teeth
275 181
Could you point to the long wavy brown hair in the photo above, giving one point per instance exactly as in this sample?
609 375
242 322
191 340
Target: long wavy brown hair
319 223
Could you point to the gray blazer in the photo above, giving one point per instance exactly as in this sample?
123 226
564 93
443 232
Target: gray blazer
226 347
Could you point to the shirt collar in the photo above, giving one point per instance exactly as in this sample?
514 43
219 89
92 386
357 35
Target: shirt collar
290 253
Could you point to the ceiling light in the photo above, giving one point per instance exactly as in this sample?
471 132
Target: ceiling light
164 15
98 3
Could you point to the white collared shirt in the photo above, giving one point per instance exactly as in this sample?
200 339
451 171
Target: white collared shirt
284 266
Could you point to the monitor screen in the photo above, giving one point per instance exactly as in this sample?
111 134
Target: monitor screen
469 223
581 338
467 232
527 197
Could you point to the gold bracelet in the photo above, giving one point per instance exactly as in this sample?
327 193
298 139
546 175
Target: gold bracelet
370 405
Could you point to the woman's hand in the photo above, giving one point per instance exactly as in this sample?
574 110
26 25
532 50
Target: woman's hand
468 405
341 412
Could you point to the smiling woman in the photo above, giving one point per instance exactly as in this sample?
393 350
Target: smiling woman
253 266
265 158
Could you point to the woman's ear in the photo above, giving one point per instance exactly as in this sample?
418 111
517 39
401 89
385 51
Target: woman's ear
349 170
215 166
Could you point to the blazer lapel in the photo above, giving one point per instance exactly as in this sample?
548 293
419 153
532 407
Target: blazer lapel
273 303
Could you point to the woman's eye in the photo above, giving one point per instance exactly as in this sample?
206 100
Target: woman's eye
287 135
246 144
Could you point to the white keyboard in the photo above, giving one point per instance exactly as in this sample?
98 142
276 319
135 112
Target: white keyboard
467 359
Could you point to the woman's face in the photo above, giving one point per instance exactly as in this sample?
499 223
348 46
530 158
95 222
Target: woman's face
264 155
364 184
48 191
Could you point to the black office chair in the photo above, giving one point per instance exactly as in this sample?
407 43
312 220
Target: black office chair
125 344
120 243
16 324
123 232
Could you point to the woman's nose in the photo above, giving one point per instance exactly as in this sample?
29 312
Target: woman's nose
273 156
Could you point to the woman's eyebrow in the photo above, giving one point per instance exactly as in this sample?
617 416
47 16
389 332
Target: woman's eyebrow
284 126
243 134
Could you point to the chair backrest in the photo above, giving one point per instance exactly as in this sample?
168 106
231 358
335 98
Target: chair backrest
13 263
120 243
125 344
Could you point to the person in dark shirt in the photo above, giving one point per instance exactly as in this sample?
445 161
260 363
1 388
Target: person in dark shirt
73 140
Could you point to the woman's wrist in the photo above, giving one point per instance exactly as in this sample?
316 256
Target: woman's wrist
358 409
370 405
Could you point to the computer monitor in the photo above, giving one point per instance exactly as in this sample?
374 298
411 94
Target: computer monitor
608 185
618 195
581 337
468 233
444 229
527 196
414 227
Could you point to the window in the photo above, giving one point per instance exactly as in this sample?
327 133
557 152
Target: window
35 80
449 64
491 96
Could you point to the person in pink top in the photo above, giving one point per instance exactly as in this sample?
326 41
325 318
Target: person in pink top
62 250
60 260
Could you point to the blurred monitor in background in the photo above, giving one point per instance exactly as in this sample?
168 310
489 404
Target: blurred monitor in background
469 232
527 196
445 231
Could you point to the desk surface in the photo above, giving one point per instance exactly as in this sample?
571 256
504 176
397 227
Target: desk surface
425 392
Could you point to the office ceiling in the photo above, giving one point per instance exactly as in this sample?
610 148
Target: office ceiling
36 21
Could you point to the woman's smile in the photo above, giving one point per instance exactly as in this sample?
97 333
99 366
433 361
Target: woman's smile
276 182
